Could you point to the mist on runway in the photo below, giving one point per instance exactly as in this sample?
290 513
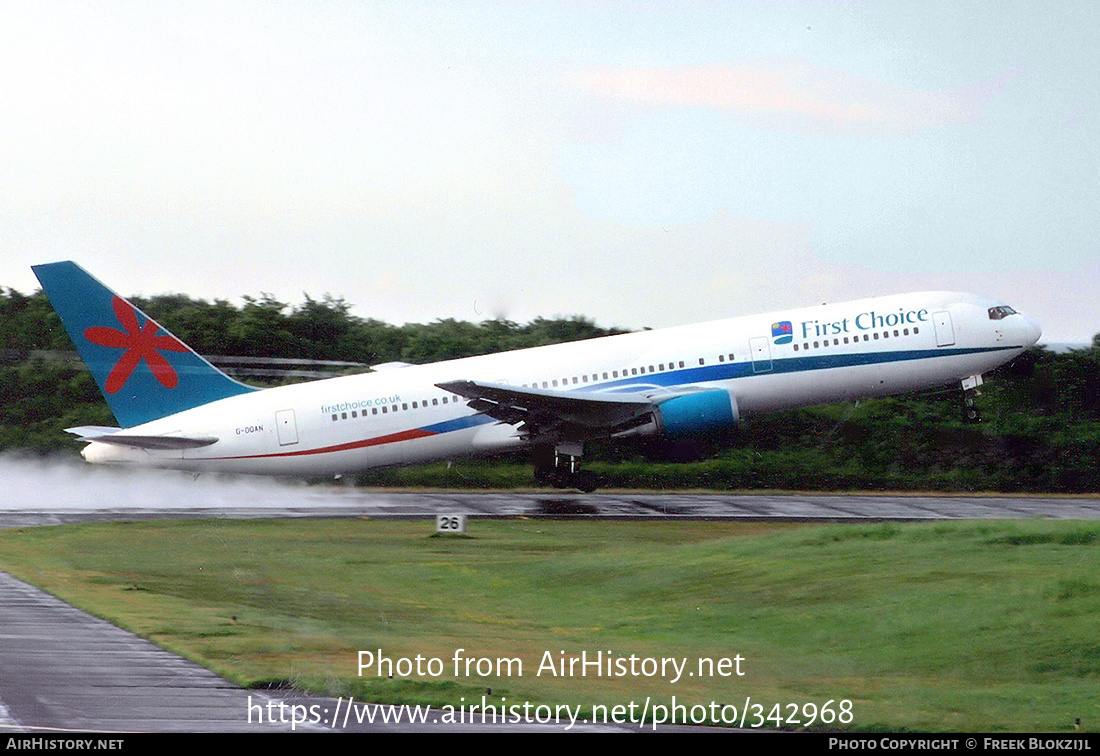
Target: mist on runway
60 483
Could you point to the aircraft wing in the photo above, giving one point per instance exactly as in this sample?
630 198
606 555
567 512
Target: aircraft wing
106 435
548 415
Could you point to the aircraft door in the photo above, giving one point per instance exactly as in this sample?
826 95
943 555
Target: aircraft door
945 331
761 354
286 427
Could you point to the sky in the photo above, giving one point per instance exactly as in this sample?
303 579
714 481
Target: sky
644 164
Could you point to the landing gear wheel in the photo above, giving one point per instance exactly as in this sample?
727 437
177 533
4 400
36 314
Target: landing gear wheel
970 412
586 481
561 478
560 468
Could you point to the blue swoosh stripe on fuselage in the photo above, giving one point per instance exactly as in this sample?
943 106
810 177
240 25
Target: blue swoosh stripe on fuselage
828 361
731 370
459 423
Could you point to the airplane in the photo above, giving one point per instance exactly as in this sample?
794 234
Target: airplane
176 410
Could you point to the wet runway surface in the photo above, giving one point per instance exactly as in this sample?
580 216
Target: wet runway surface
64 670
337 502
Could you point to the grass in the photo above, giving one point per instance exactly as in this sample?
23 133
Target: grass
959 626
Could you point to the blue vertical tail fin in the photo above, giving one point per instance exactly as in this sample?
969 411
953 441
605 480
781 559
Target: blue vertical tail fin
144 372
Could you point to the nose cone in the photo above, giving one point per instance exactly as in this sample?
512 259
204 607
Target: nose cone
1030 330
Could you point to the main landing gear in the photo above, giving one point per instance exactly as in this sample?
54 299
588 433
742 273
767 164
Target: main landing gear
561 468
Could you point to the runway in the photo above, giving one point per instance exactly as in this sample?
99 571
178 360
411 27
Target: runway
328 502
64 670
52 492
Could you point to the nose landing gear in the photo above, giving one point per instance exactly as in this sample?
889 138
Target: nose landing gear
970 411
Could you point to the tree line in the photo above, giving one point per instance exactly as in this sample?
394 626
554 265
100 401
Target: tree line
1040 428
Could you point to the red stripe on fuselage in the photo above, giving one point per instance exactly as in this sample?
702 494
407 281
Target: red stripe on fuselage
392 438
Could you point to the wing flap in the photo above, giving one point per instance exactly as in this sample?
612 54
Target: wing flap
540 412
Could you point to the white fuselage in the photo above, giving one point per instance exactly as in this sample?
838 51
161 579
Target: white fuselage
396 416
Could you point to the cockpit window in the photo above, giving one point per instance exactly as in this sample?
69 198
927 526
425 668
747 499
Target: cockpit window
1000 312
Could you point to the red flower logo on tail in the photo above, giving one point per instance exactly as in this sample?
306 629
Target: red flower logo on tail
141 344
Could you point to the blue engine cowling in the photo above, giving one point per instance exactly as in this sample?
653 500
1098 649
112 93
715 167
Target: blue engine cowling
701 411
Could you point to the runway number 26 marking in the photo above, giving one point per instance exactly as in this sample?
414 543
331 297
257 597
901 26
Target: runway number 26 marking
450 523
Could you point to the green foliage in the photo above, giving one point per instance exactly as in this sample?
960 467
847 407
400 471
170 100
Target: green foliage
39 400
325 329
29 323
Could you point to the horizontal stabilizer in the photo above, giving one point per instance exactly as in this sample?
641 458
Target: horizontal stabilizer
90 431
105 435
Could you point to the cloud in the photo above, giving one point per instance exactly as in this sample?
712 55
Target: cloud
793 94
